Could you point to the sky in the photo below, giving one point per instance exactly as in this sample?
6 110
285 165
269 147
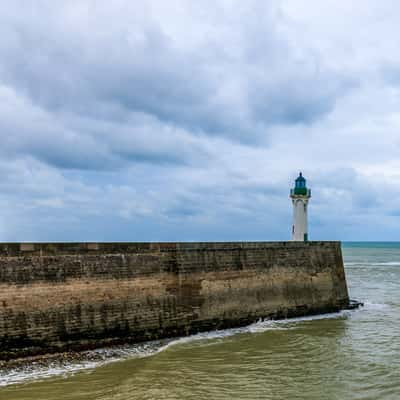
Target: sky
186 120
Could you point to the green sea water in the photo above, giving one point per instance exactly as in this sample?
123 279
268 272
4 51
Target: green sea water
348 355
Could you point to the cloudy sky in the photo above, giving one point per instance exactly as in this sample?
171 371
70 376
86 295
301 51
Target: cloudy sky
188 120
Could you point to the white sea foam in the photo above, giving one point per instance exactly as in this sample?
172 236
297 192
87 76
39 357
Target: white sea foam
34 372
387 263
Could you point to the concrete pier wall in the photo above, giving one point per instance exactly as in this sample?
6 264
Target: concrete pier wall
62 296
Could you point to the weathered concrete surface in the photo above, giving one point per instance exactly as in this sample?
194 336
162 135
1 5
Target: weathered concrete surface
62 296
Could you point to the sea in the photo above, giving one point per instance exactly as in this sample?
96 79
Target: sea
342 356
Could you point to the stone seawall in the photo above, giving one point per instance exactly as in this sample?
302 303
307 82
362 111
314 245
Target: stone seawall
63 296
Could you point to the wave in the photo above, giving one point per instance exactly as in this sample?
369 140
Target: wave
369 305
35 371
372 263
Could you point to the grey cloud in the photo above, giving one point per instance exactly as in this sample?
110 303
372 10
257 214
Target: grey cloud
67 141
243 79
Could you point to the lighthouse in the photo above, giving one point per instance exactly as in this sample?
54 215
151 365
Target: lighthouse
300 196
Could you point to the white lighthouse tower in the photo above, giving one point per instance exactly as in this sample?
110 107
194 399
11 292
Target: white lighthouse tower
300 196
